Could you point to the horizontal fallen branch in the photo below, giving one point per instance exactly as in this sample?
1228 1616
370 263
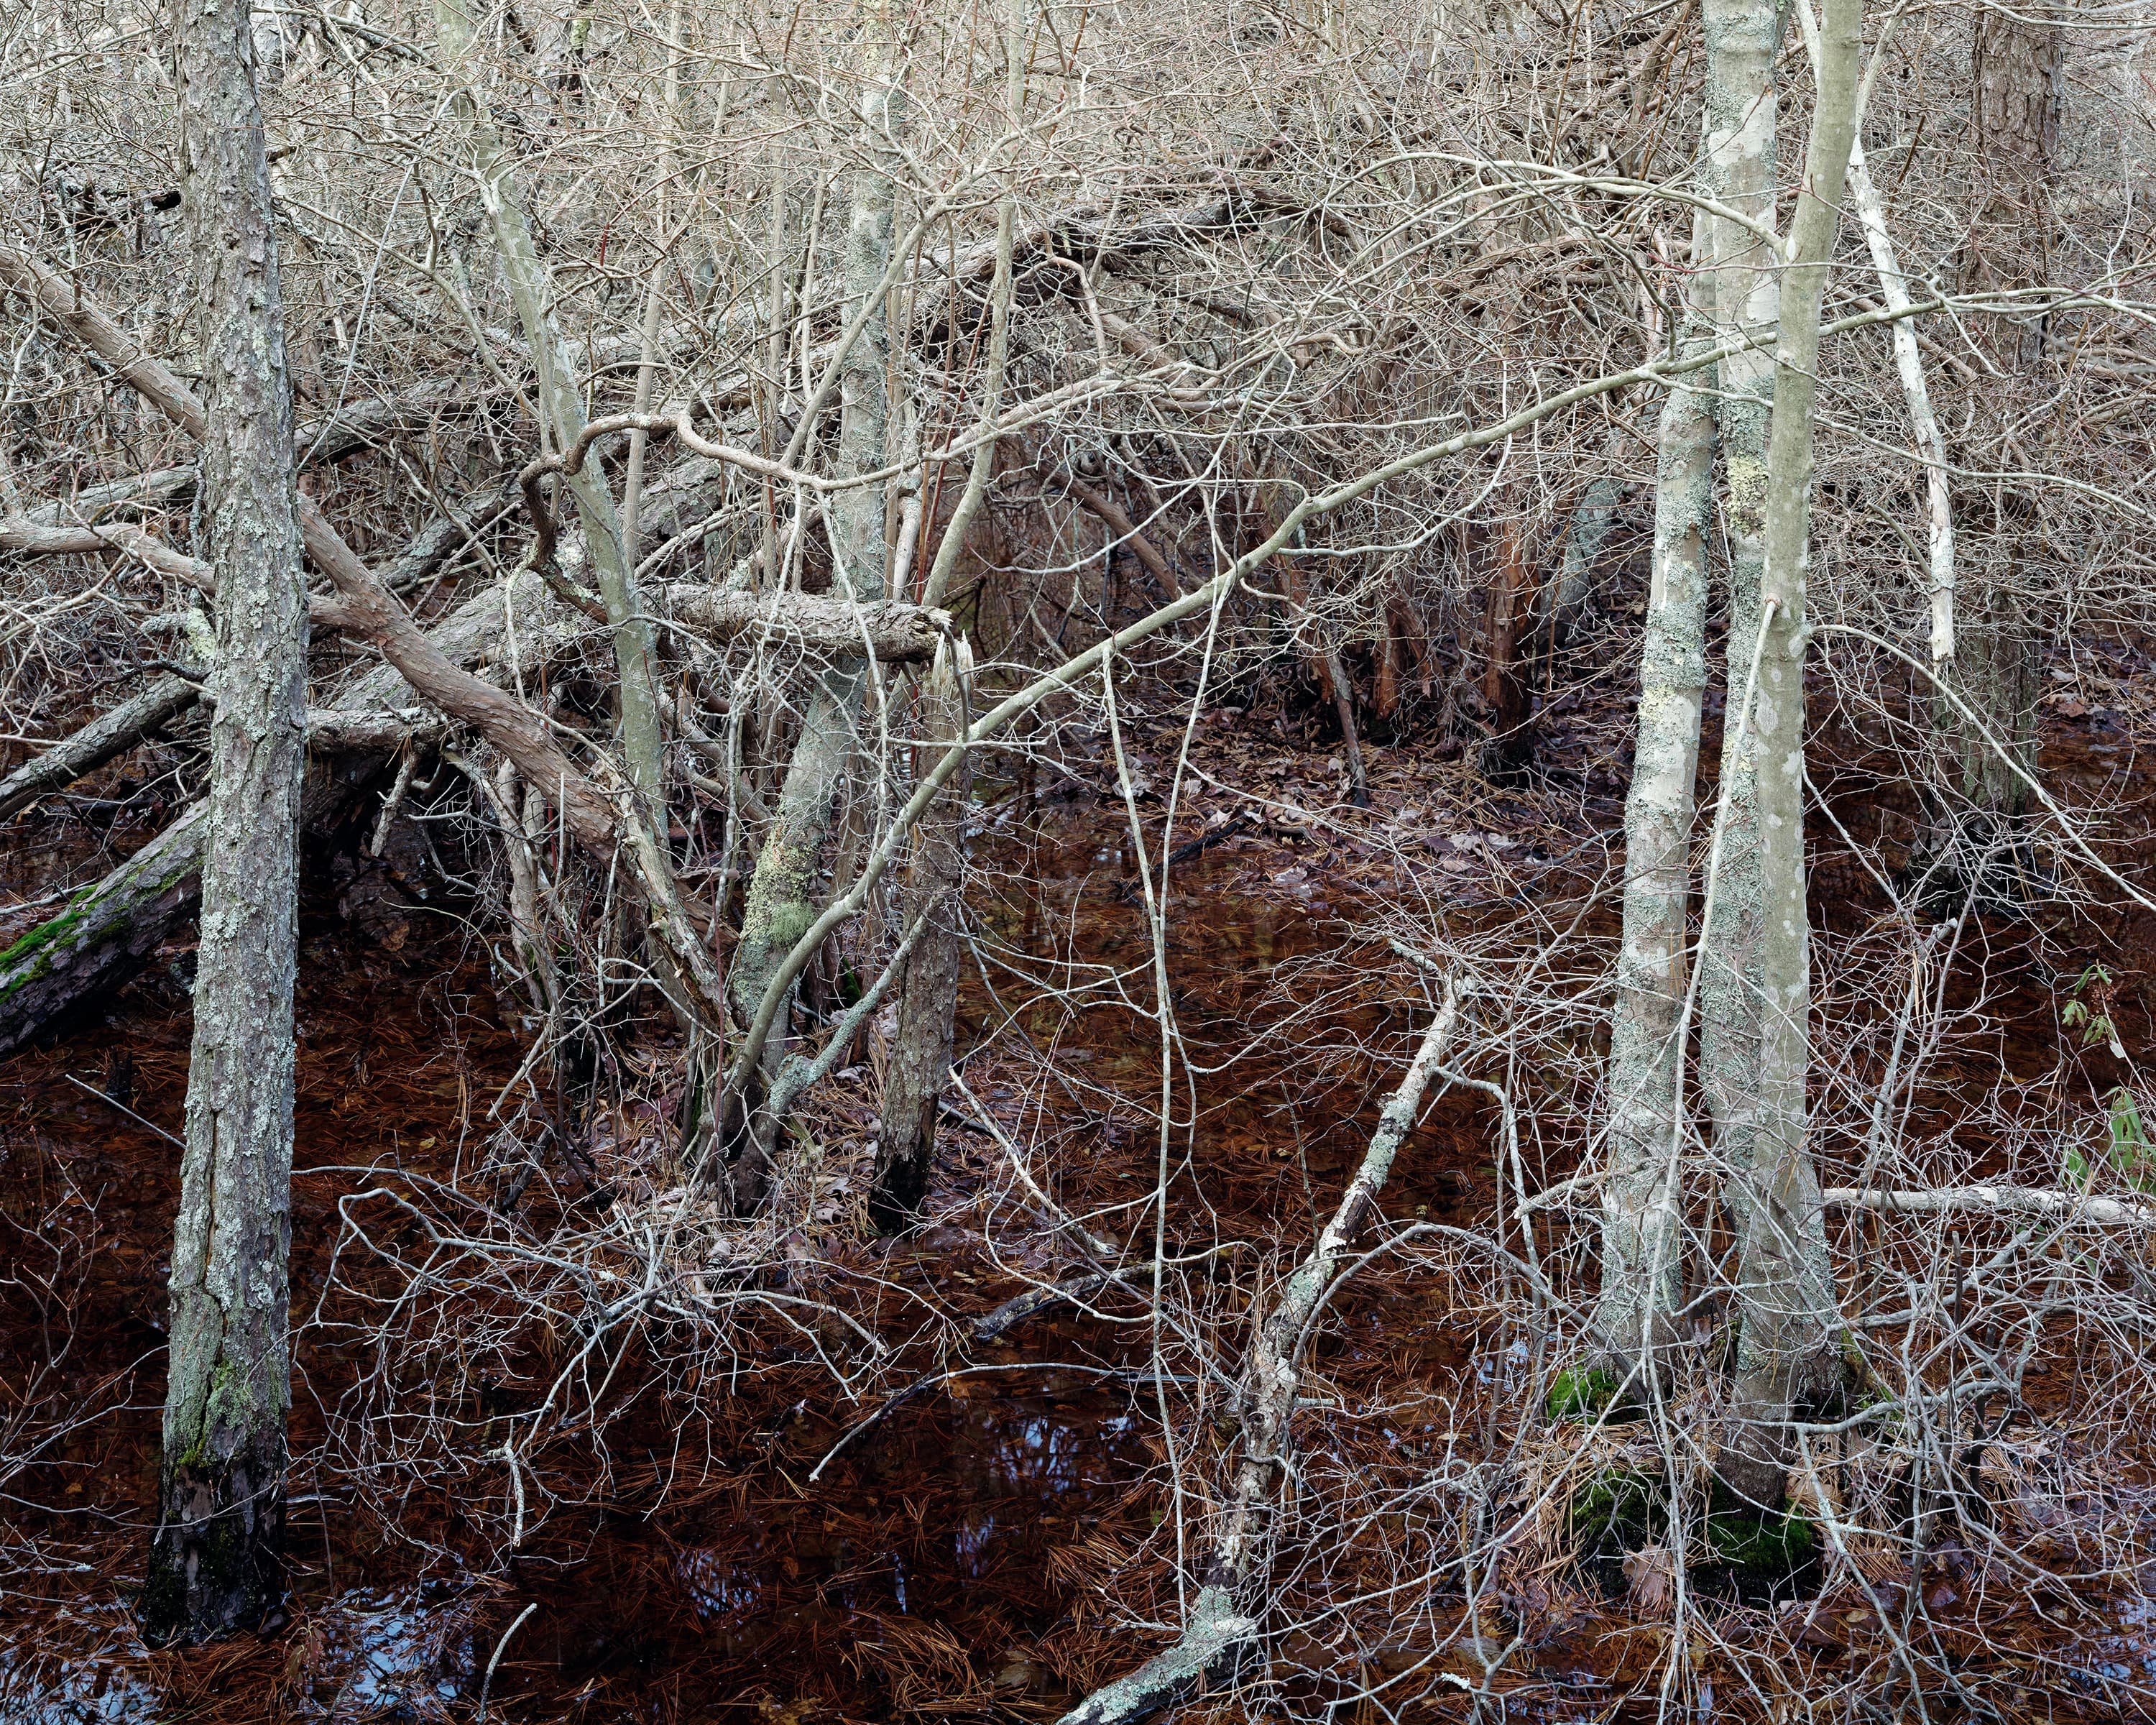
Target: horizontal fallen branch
31 539
824 623
1978 1200
105 738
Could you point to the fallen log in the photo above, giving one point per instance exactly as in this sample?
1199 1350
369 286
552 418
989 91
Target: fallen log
363 605
106 933
31 539
110 930
821 623
324 442
1218 1632
105 738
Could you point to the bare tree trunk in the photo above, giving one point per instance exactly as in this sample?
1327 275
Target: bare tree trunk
1739 169
1789 1322
1909 362
953 544
1995 670
1642 1245
215 1561
928 1001
781 895
561 410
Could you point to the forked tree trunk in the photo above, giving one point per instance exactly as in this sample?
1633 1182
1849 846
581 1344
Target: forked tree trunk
1789 1322
920 1062
1642 1213
214 1560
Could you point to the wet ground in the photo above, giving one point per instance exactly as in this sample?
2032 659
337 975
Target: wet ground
942 1564
914 1578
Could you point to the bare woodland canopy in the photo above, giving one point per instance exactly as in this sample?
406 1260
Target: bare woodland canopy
1628 528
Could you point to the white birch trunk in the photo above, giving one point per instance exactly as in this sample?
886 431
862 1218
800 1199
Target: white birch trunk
1739 170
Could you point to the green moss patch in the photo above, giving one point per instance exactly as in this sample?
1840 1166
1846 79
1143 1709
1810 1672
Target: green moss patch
1760 1558
1618 1510
1581 1395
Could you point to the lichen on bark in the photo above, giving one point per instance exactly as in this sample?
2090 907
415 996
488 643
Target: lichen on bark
214 1556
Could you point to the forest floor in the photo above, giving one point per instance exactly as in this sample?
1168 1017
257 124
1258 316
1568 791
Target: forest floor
937 1538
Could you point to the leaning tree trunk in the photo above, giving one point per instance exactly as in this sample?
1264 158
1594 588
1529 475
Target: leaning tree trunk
920 1060
1739 169
1220 1631
215 1561
1642 1212
629 618
1789 1324
1980 805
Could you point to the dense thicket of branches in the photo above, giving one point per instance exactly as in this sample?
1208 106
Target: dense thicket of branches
744 449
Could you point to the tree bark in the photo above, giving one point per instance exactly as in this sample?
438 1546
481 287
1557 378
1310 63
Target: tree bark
1642 1212
1789 1321
1507 620
780 904
819 623
919 1061
1980 806
1740 117
215 1559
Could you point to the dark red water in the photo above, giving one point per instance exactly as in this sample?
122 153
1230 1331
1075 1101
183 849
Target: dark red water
685 1568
